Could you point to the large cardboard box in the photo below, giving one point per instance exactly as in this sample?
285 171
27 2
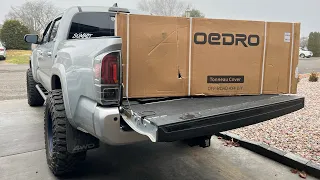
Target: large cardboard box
177 56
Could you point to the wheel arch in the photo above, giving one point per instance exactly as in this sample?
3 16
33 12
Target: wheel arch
55 82
59 81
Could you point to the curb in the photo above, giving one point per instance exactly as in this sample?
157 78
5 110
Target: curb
288 159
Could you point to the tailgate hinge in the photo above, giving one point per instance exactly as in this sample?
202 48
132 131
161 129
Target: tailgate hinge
139 124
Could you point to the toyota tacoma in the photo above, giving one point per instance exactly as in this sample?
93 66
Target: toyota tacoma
76 73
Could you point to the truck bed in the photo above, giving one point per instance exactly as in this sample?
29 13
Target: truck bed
177 119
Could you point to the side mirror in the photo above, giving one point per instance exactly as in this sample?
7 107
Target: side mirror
31 38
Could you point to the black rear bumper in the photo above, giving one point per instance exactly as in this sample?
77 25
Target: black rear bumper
226 121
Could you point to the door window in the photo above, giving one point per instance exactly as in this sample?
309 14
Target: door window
54 29
45 35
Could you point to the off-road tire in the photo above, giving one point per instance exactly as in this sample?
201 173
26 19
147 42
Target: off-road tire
34 97
60 161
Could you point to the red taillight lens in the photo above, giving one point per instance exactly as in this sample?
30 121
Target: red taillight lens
1 49
115 73
109 69
106 72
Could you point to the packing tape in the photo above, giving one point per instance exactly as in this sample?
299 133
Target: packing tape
291 58
116 25
128 40
190 54
264 56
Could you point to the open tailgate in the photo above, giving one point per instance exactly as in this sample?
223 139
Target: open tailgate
184 118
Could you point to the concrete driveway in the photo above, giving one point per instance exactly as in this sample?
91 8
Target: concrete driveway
22 156
12 81
308 65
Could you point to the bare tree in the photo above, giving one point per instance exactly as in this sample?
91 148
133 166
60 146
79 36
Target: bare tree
163 7
194 13
34 14
304 41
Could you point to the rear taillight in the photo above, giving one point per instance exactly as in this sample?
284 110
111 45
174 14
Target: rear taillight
106 69
109 69
1 49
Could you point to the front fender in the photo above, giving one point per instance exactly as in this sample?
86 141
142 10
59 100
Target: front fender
34 65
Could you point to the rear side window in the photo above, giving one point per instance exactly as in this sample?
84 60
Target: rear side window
92 24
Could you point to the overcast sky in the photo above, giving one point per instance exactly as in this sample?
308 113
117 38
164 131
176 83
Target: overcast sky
304 11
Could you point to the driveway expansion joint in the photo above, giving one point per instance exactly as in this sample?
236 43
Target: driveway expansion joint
21 153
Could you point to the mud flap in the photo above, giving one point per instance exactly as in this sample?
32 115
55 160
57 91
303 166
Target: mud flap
78 141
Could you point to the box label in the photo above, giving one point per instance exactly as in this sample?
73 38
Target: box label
225 88
226 39
225 79
287 37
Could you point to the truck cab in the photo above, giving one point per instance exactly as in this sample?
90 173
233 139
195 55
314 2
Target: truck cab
76 71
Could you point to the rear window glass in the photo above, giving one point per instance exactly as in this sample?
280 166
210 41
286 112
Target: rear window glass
92 24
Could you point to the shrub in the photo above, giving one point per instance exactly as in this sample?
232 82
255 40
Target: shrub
12 34
313 77
314 43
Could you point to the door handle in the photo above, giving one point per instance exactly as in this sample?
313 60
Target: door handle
49 53
40 52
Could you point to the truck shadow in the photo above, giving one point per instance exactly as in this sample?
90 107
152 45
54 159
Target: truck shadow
142 161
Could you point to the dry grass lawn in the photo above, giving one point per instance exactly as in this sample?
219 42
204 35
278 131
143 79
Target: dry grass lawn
18 56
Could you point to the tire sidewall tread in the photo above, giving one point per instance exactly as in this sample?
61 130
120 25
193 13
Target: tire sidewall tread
34 97
60 161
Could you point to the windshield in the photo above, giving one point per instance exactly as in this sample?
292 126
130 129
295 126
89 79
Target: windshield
92 24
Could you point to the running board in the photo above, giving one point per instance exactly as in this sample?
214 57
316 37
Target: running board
43 92
187 118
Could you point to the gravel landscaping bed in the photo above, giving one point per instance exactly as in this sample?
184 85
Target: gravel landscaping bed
298 132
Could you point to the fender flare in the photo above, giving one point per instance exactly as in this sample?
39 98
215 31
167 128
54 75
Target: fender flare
59 70
34 67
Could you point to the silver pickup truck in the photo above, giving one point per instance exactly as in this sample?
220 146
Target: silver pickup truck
76 71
